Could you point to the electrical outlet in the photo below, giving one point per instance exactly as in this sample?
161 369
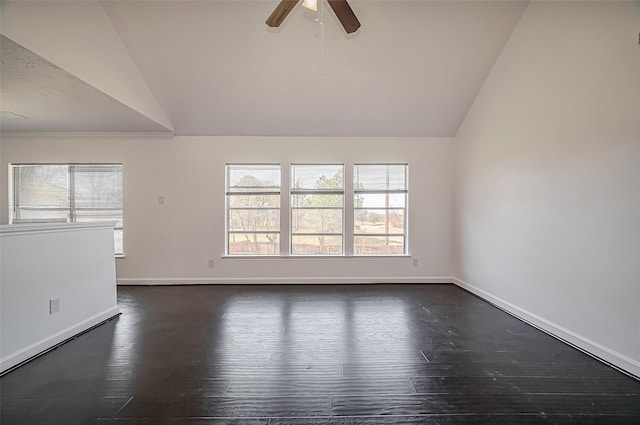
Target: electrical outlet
415 262
54 305
211 263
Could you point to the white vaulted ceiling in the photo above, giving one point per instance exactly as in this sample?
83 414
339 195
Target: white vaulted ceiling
215 68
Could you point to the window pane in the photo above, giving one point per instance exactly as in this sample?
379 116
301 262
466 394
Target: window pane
379 245
254 220
99 216
380 200
41 186
29 215
254 201
97 195
380 203
253 178
317 177
98 186
253 208
316 245
254 244
379 221
315 201
380 177
316 221
315 209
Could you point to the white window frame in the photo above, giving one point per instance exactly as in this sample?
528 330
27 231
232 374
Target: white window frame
15 207
307 191
404 191
349 195
229 192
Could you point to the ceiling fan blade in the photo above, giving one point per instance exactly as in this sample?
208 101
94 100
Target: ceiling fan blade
280 12
345 15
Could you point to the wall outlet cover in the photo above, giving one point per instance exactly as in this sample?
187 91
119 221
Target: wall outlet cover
54 305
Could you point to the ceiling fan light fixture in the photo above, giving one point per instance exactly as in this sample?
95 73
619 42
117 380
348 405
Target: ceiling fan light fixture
311 5
341 8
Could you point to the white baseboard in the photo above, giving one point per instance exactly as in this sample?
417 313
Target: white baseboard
44 344
599 351
281 280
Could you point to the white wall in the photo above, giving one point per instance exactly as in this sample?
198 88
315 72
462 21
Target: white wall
72 262
172 242
548 177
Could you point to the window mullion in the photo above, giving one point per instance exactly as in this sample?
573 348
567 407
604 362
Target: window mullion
227 216
285 209
348 213
16 193
72 193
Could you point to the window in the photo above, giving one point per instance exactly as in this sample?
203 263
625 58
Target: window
317 209
309 200
76 193
253 209
380 209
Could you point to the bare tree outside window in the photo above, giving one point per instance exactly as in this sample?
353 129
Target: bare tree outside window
253 209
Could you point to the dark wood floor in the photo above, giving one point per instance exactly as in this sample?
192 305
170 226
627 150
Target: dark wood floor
276 355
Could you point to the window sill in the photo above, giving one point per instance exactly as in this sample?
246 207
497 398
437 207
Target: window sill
309 257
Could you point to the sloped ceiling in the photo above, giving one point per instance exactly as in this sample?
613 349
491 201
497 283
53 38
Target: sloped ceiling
215 68
44 98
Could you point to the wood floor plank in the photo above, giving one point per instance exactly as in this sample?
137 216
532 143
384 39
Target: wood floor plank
327 386
532 370
463 385
584 404
227 407
544 385
182 421
52 410
524 419
449 357
423 404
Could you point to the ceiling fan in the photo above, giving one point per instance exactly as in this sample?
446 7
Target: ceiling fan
341 8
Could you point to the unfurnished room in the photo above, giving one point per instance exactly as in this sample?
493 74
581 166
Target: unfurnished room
319 212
